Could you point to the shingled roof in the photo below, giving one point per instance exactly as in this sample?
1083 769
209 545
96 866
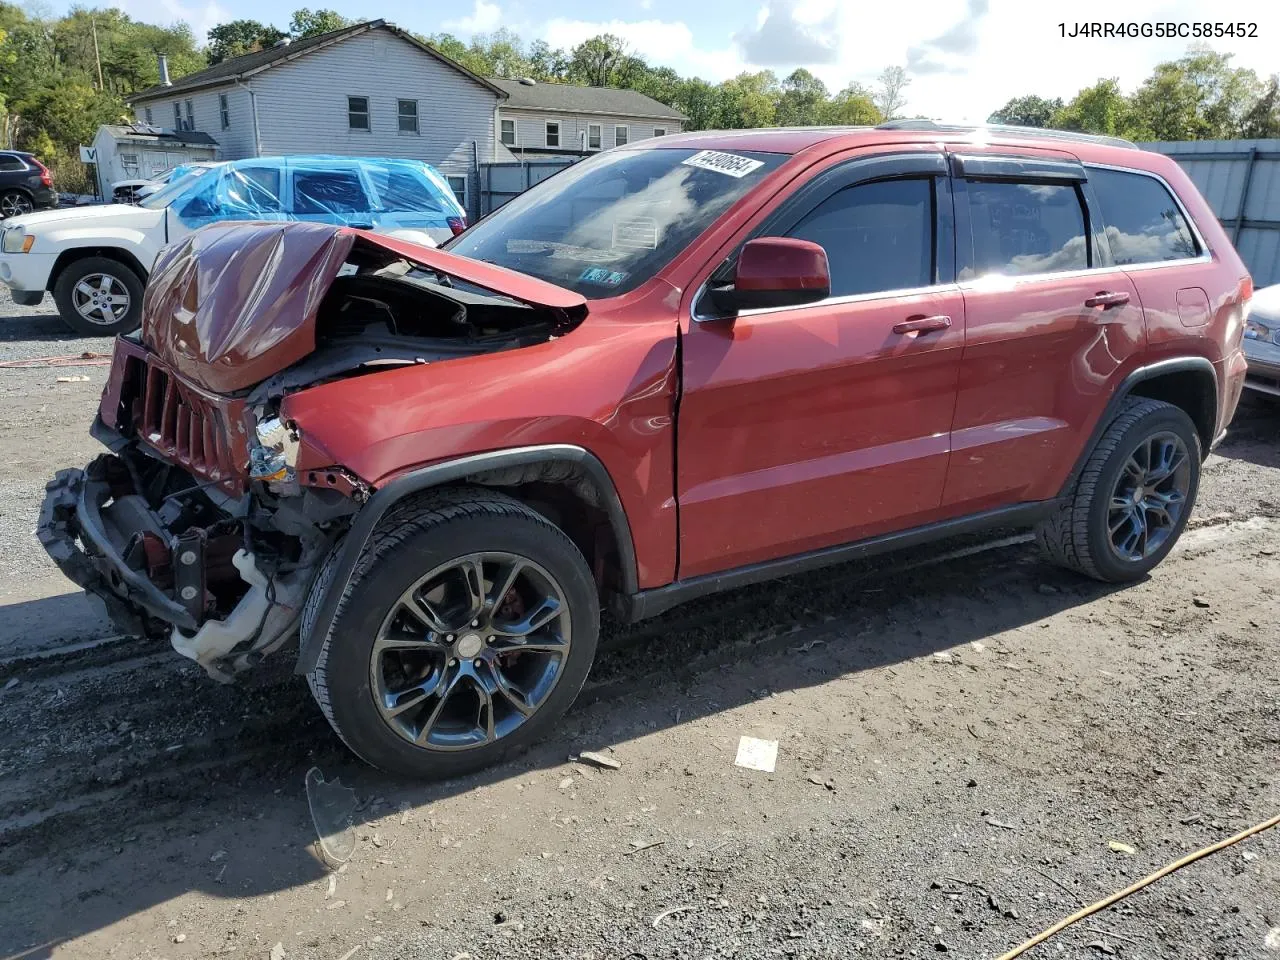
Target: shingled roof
237 68
569 98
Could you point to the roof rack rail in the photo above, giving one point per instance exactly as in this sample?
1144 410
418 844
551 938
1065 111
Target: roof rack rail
1041 133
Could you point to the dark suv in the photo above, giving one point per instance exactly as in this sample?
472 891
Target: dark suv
689 364
26 185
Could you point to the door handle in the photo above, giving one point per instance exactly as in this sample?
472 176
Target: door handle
916 325
1107 299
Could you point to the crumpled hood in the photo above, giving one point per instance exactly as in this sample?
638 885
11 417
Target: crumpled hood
234 303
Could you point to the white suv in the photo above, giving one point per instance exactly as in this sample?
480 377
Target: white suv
96 260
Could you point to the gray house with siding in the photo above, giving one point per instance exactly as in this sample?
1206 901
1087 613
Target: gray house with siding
560 119
368 90
373 90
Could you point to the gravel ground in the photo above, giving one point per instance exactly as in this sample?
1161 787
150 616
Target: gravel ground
959 743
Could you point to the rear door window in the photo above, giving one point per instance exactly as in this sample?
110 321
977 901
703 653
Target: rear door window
1144 224
1026 228
329 192
9 163
878 236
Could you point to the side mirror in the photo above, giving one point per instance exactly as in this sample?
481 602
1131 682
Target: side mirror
779 272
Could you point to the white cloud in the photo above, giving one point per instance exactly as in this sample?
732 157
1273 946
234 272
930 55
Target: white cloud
485 17
198 16
966 57
786 34
663 43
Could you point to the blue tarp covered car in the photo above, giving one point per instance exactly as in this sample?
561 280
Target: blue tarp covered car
407 198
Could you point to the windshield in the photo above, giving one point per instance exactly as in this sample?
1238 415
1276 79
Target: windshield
163 197
610 223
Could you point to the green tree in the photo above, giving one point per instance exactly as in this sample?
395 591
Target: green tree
1030 111
1197 97
751 100
1262 120
1101 108
854 106
308 23
891 97
702 103
239 37
594 61
802 100
547 65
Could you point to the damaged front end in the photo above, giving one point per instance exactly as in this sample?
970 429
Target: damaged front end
198 525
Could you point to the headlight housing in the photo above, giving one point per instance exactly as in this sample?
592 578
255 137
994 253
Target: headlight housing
1266 331
17 240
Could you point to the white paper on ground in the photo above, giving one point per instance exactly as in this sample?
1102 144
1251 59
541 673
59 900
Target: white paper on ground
757 754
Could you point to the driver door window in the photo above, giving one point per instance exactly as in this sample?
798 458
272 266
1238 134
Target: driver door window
878 236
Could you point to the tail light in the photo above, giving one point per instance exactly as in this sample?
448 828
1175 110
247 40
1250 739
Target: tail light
457 224
46 176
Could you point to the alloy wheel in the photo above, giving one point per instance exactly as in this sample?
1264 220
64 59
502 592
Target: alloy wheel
1149 497
470 651
14 205
100 298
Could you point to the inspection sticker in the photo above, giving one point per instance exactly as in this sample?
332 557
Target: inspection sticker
607 278
727 163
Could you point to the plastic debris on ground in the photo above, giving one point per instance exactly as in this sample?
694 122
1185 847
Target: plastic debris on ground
755 754
332 805
600 760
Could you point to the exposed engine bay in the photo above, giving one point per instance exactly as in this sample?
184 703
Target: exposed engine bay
199 524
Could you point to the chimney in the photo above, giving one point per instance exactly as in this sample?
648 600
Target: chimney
163 63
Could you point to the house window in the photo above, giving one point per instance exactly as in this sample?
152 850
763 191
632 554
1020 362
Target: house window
459 187
593 136
129 161
659 131
177 115
147 115
224 111
191 116
358 113
553 133
621 136
407 111
509 132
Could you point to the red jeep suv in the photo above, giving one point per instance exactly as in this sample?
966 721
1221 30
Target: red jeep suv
679 366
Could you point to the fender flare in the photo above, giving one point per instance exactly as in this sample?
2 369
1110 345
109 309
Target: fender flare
436 475
1112 409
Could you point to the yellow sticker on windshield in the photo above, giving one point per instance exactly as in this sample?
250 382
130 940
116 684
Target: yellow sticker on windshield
729 164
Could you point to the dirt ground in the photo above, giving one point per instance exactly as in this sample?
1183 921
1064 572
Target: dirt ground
961 736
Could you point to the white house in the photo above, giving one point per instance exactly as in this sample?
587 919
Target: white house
368 90
140 152
562 119
373 90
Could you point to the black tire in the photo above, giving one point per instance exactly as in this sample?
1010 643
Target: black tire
1076 535
14 203
414 538
64 295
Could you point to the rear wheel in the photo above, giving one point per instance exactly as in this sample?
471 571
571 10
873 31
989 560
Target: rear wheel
1133 498
467 630
99 297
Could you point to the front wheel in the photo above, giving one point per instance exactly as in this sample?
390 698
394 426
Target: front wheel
14 203
99 297
1133 498
466 631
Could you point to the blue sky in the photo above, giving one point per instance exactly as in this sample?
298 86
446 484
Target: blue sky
965 57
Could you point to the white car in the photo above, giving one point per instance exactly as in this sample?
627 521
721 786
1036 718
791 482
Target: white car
131 191
96 260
